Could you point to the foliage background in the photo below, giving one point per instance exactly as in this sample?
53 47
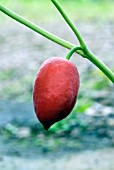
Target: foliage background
22 53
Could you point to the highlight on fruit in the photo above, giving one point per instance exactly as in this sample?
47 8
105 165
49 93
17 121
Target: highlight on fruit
55 90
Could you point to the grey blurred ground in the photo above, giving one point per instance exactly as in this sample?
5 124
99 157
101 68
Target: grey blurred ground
87 148
86 160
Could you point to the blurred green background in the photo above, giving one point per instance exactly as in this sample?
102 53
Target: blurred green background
21 54
78 10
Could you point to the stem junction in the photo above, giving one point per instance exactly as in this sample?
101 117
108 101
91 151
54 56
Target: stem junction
83 50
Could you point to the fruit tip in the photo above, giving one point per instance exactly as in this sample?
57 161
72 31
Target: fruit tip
46 127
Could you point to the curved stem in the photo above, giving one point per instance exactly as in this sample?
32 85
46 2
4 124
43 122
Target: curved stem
69 22
84 53
38 29
74 49
90 56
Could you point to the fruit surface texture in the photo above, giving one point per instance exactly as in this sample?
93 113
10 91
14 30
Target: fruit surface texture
55 90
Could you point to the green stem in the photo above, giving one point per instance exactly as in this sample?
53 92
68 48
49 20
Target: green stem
74 49
84 53
100 65
38 29
69 22
87 52
34 27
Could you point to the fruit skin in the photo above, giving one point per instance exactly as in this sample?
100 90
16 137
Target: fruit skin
55 90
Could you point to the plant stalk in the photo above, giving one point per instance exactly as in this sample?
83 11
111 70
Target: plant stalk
37 29
84 53
74 49
87 52
100 65
69 22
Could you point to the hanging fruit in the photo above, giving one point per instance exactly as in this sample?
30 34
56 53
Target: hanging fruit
55 90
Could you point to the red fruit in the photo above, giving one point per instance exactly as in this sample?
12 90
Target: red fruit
55 90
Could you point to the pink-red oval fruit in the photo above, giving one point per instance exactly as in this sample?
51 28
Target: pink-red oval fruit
55 90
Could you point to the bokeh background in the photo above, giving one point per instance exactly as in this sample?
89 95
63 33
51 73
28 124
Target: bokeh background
85 139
